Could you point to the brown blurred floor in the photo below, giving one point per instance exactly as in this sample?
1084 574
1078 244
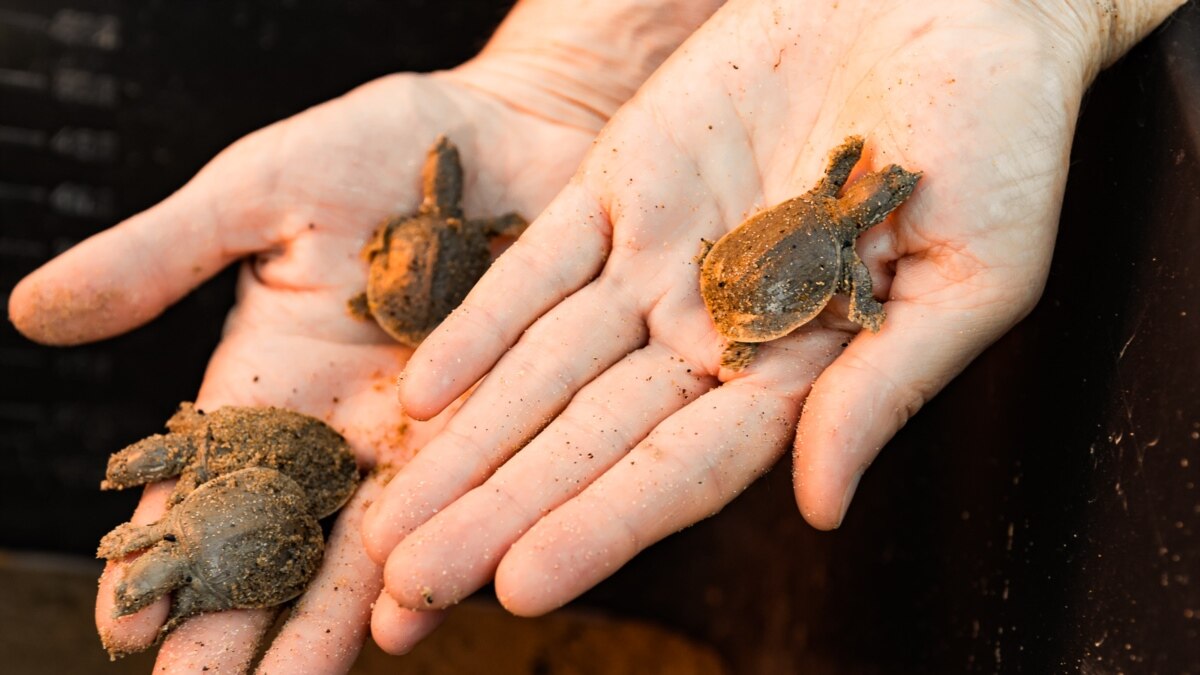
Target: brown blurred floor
46 627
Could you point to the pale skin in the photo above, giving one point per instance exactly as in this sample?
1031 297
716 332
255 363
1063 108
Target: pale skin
522 114
607 375
610 343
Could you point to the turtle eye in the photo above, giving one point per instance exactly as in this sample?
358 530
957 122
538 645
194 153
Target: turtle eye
169 537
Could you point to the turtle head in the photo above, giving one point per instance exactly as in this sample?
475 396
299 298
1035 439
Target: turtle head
871 198
156 458
442 180
152 575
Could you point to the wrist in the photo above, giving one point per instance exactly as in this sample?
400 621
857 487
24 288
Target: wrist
1105 29
577 61
1124 23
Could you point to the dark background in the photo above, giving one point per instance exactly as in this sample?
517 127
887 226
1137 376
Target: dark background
1039 516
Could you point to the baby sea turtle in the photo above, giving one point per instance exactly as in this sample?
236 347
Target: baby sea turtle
776 271
243 540
203 446
423 265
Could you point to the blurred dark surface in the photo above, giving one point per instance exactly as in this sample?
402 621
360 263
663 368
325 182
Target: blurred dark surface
106 107
1039 516
48 601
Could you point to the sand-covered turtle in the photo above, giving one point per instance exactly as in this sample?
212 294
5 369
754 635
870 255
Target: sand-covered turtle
423 265
243 540
203 446
778 269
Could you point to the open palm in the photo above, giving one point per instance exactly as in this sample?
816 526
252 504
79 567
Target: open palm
606 375
300 198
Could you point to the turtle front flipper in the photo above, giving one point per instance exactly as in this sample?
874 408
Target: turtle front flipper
187 419
507 225
841 162
191 478
187 602
359 307
154 574
737 355
865 310
706 247
127 538
380 239
156 458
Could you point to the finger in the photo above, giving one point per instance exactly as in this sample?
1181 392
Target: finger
125 276
564 350
687 469
875 386
397 630
451 556
558 254
139 630
328 624
222 642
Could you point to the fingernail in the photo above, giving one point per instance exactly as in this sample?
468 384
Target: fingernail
848 497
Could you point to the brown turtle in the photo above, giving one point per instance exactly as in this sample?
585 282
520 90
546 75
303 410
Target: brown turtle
203 446
423 265
246 539
776 271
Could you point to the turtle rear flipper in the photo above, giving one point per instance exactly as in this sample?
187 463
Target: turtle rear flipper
865 310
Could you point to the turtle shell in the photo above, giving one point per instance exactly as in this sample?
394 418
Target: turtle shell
422 268
248 538
773 272
304 448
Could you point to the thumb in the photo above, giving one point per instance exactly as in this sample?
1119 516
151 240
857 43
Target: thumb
123 277
871 390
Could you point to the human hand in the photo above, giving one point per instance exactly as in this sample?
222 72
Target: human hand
608 379
300 198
